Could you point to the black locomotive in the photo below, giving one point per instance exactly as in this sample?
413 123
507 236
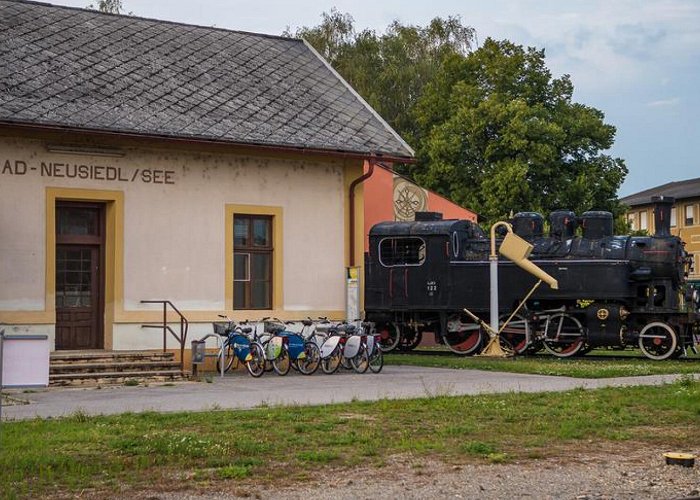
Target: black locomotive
614 291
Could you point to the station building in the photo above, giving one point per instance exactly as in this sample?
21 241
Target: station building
149 160
685 215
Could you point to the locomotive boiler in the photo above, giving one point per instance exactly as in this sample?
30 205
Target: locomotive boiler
614 291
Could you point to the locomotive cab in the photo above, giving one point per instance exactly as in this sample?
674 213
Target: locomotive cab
408 262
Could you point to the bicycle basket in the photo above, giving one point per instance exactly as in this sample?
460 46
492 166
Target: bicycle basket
220 328
274 327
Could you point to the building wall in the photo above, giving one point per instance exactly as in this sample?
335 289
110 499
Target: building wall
687 228
169 217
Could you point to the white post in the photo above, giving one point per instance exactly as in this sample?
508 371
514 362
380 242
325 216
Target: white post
493 268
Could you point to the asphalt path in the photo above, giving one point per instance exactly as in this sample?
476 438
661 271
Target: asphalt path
240 391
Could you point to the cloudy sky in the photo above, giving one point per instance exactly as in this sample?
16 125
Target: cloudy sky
637 61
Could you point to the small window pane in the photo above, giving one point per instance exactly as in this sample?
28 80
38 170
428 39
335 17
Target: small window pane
261 266
261 233
673 217
77 221
402 252
689 219
241 266
239 298
260 294
241 229
643 221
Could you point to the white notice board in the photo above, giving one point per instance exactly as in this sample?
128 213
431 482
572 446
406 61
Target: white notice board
25 360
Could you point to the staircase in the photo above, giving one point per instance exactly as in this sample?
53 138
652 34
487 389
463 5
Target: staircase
90 368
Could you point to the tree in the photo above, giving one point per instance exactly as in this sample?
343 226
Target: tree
389 70
499 134
109 6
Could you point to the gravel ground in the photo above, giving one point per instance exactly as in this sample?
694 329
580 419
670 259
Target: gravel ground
640 474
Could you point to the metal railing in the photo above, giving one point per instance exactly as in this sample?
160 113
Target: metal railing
184 326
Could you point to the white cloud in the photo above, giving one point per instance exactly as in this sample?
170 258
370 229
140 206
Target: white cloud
664 103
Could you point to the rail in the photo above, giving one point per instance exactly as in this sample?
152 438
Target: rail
184 326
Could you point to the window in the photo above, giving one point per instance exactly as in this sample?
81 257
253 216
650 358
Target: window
689 219
252 261
643 221
401 252
673 217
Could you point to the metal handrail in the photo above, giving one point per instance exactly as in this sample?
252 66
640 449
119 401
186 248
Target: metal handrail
184 326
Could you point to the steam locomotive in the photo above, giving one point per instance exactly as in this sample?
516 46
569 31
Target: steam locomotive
614 291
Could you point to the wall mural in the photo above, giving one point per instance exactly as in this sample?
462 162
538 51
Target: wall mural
408 199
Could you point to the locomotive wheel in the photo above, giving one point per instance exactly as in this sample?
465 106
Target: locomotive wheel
563 335
516 333
389 336
465 343
658 341
410 338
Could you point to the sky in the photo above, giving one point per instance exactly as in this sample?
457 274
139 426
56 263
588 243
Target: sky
638 61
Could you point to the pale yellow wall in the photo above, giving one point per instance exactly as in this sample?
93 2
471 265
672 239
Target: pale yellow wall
173 236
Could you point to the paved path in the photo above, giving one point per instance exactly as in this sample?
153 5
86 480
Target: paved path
239 390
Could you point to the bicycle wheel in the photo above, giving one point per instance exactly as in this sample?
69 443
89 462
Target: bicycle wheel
312 359
331 364
256 366
282 363
360 361
376 360
228 356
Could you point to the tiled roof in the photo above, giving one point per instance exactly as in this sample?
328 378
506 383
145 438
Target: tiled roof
83 69
680 190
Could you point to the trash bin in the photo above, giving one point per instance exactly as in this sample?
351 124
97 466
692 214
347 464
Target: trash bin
198 352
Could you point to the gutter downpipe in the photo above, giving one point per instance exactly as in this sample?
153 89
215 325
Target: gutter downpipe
353 186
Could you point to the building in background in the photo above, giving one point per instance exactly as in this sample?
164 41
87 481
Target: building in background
685 215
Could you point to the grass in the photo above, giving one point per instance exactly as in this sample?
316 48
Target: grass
103 455
622 365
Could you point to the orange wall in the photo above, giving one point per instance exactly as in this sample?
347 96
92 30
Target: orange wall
379 201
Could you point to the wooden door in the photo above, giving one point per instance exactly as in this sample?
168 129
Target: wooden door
79 275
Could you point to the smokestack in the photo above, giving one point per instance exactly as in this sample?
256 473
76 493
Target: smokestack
662 215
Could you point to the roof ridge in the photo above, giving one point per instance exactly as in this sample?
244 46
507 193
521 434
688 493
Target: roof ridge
354 92
152 19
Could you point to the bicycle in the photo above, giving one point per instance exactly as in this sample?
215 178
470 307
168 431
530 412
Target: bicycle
239 345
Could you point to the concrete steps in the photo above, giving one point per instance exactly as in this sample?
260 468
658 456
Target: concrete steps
86 368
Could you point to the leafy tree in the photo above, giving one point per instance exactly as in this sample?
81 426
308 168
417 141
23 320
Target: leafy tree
493 131
109 6
501 135
389 70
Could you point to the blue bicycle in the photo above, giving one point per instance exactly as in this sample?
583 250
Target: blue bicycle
240 347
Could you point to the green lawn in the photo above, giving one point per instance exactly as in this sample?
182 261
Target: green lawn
543 364
47 457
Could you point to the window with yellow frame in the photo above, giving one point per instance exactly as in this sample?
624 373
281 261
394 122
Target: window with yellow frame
254 257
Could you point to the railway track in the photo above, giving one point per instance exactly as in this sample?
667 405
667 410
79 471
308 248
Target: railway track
591 356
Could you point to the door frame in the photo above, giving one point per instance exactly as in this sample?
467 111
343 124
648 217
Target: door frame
93 242
113 251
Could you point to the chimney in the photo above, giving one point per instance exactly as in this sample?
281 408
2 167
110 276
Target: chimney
662 215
